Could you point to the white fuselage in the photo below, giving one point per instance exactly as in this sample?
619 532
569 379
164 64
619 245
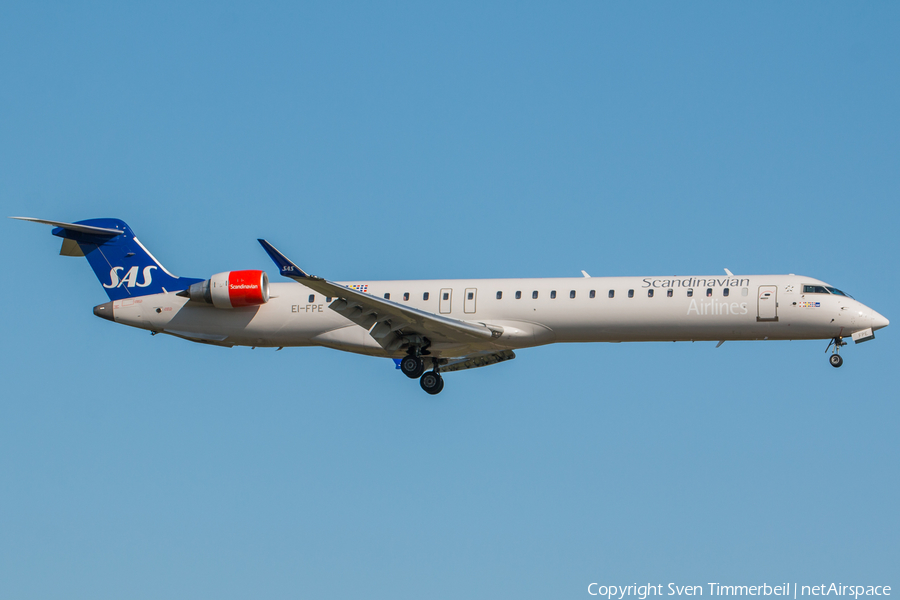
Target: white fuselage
598 309
532 312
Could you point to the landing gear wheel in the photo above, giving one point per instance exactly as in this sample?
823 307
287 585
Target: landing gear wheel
412 366
836 360
432 382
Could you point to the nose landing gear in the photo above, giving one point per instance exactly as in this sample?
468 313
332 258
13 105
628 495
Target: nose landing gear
835 358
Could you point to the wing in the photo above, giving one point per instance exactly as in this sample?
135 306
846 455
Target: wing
391 324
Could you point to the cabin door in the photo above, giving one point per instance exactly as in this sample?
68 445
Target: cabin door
767 303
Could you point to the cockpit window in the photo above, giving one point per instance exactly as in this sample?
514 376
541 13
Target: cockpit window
823 289
836 291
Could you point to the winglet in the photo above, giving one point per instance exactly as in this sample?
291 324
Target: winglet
287 268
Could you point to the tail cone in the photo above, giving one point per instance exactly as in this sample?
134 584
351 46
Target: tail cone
105 311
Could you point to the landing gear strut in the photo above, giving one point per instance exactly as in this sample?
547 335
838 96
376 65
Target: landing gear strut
835 359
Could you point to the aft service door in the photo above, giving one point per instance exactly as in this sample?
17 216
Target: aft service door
446 298
767 303
470 300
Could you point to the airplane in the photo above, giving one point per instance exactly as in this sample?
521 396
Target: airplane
433 327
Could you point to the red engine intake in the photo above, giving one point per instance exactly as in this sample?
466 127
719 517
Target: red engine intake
232 289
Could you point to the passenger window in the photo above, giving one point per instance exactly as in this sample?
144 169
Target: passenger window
327 298
708 292
518 295
425 296
534 294
406 296
312 298
552 294
670 293
446 295
744 291
631 293
387 296
471 295
499 295
593 293
690 293
650 293
572 294
612 293
725 292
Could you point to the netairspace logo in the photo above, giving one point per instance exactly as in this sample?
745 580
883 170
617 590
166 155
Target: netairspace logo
641 592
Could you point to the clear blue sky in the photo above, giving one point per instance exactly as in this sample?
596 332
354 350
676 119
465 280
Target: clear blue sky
412 141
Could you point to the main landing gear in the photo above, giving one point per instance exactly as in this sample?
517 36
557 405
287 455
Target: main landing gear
835 358
413 366
432 382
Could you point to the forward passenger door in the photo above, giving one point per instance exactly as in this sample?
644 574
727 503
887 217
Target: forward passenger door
767 303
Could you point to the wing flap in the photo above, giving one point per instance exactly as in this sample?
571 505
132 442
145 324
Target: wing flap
478 360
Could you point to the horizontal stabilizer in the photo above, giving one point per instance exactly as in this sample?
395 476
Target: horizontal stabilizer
102 231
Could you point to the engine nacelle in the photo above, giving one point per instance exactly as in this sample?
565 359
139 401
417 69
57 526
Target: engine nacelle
232 289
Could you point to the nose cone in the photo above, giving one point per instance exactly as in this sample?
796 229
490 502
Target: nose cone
878 321
105 311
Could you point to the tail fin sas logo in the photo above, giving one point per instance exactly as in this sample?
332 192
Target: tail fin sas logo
130 279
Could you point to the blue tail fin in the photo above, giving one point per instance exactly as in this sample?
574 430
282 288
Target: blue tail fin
123 265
